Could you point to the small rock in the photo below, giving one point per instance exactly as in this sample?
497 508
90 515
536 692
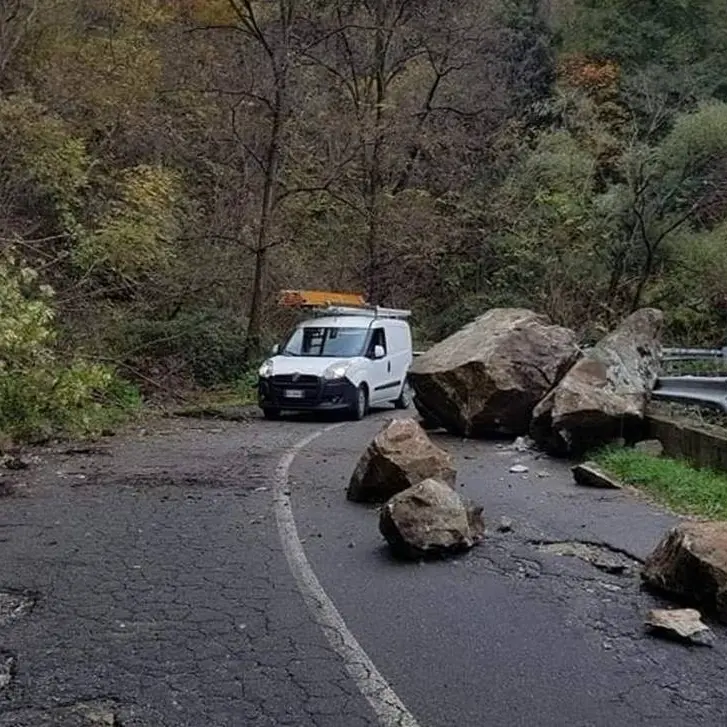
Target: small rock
518 469
522 444
505 525
352 544
542 474
610 587
589 474
7 669
652 447
684 624
260 489
14 463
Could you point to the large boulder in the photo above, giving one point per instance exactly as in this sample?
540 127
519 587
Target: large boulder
690 563
488 377
604 395
401 455
430 519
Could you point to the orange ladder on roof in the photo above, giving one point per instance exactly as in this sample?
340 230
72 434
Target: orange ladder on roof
319 299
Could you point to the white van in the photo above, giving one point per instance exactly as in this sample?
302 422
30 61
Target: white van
343 359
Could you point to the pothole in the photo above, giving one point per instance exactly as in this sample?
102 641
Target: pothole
14 604
600 556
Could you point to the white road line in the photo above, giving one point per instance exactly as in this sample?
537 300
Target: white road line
389 708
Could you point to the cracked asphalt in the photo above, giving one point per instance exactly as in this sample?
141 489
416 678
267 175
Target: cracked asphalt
162 597
143 584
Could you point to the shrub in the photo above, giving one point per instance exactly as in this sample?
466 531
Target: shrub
39 393
206 345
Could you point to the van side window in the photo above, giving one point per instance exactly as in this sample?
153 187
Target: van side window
378 339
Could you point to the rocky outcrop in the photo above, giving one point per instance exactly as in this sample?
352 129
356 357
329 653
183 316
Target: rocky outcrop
401 455
430 519
690 563
604 395
489 376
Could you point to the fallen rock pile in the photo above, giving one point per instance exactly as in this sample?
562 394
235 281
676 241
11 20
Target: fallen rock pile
513 371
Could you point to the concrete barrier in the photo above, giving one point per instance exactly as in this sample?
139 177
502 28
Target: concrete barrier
702 447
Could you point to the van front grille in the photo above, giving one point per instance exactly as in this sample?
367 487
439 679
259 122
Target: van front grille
300 380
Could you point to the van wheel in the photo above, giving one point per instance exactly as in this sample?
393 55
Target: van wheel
271 414
361 407
404 400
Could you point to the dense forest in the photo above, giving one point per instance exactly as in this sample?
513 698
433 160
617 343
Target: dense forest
168 165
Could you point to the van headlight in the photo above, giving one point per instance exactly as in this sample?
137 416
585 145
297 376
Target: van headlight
337 371
266 370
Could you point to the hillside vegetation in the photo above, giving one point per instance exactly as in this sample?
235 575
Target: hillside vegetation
167 165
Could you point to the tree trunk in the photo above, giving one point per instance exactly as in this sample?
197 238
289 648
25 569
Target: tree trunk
262 244
374 182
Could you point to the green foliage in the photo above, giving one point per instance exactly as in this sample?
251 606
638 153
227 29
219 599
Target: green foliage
205 345
482 156
39 393
42 158
676 483
669 32
246 385
135 234
696 139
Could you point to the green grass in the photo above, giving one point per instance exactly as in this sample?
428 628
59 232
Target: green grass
224 402
677 484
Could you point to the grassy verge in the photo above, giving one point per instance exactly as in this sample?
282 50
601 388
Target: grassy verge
677 484
227 402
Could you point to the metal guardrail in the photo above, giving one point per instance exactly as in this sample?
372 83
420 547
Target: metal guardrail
693 354
708 391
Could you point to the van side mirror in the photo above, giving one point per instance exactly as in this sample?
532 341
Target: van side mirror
275 349
379 352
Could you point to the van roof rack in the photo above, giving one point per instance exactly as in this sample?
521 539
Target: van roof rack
372 311
319 298
325 303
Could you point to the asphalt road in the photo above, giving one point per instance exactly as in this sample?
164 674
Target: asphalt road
143 584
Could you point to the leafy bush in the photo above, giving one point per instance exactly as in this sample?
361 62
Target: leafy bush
206 345
39 394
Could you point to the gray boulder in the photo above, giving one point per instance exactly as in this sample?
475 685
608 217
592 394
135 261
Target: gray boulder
430 519
401 455
604 395
690 563
489 376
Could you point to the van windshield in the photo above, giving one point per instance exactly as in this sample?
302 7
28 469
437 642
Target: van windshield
328 342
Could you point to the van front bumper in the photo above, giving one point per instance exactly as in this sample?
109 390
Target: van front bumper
307 393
